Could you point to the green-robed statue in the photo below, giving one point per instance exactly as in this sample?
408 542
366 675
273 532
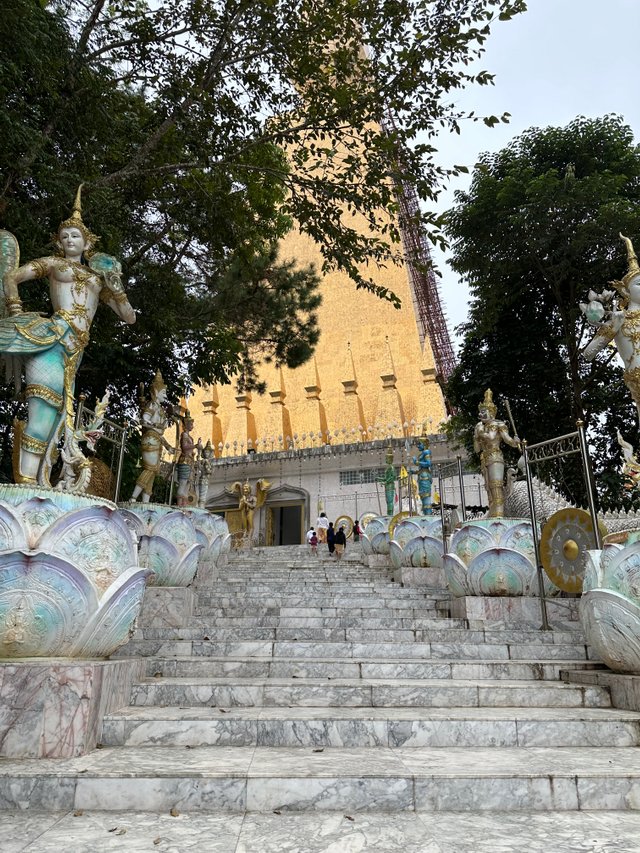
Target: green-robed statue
46 351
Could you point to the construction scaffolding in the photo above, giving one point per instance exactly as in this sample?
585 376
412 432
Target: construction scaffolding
432 321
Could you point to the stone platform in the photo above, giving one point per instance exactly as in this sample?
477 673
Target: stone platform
56 708
484 611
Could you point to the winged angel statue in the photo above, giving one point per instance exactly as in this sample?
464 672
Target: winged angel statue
46 351
249 502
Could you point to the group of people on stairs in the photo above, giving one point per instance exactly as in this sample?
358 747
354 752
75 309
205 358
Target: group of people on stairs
325 533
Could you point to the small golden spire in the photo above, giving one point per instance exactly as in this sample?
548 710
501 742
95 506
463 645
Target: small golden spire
632 261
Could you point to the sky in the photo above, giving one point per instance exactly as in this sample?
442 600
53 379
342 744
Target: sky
560 59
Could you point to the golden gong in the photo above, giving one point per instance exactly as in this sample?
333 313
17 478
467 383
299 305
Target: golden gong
565 539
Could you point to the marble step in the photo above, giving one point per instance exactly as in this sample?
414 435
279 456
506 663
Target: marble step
322 832
434 630
253 609
372 727
324 591
347 780
343 601
315 649
267 619
433 636
362 693
246 667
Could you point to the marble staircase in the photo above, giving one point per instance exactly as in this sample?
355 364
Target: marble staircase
305 685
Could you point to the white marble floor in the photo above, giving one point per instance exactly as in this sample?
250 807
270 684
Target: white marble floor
446 832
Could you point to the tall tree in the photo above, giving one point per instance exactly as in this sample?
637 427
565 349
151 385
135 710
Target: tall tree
537 230
204 130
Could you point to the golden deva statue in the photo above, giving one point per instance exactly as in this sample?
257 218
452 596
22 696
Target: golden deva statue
249 502
487 438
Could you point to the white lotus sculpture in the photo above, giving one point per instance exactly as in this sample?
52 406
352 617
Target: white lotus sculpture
168 542
610 603
70 581
417 541
375 539
494 557
213 534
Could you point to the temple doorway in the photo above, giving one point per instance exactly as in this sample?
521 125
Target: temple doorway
285 524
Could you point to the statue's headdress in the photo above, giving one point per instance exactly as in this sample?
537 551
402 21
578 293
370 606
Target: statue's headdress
488 403
157 385
75 221
633 269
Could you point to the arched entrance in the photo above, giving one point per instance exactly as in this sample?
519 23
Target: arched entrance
286 515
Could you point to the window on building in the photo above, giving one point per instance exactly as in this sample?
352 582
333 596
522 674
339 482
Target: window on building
360 477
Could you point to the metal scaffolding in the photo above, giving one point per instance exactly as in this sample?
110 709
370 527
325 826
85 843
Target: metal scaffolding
432 321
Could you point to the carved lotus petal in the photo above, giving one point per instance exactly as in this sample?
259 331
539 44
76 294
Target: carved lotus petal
208 523
184 572
501 571
177 528
37 514
203 539
456 574
96 539
380 542
13 535
148 513
379 524
365 543
622 573
405 530
226 543
520 538
611 625
169 566
592 569
424 552
135 523
469 541
45 602
606 555
114 621
159 555
395 552
497 527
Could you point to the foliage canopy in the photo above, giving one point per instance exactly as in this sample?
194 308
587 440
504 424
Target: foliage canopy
203 131
536 231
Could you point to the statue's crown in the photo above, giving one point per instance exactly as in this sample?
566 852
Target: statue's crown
488 403
75 220
158 384
632 261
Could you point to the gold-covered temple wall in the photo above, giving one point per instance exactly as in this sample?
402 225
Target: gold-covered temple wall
369 378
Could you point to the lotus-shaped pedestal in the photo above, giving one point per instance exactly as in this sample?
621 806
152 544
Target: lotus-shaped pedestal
213 534
610 603
375 539
417 541
493 557
168 542
70 582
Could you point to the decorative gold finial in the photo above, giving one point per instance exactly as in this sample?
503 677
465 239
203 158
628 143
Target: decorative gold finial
488 403
632 261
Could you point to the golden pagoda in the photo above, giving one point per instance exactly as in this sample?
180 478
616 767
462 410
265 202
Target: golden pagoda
370 377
